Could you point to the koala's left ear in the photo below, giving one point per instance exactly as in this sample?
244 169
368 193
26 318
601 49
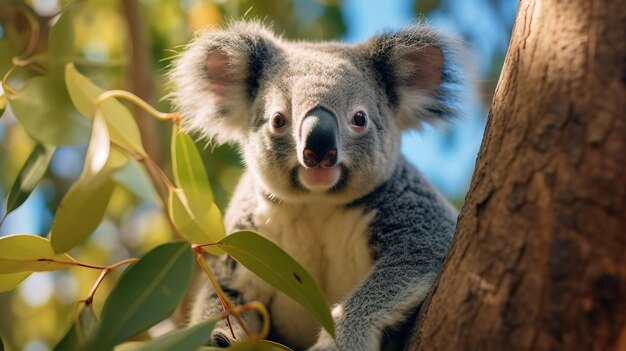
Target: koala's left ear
419 71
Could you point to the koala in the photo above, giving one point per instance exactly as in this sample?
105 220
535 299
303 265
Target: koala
318 126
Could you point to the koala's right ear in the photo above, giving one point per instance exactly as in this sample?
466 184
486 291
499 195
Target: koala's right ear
218 75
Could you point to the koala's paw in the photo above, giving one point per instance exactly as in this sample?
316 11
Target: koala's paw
220 338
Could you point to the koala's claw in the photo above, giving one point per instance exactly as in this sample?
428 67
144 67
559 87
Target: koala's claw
219 339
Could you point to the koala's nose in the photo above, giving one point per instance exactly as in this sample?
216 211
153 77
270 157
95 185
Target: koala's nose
318 133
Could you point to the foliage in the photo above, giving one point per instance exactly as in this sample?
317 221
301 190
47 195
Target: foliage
58 106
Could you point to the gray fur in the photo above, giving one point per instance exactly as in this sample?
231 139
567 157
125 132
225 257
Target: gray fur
229 85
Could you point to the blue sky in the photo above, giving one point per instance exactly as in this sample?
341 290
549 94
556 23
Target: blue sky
445 154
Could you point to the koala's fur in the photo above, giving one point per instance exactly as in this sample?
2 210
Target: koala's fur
375 238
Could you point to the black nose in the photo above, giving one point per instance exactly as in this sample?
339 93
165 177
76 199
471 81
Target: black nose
319 133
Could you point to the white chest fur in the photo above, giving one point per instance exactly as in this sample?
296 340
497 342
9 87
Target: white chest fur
330 241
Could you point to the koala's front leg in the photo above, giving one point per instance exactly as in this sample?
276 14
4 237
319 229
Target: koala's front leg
393 289
208 305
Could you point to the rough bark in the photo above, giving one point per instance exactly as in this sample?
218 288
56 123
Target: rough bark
539 258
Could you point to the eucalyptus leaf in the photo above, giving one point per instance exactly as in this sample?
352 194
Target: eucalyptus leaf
185 339
83 207
11 280
29 176
61 38
29 253
146 293
121 124
43 108
189 172
276 267
208 230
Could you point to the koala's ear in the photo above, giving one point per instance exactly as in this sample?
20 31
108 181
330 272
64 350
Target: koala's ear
419 71
217 77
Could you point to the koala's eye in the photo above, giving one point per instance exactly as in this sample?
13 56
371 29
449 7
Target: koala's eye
359 119
278 121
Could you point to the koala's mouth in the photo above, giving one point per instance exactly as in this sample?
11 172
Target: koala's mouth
319 178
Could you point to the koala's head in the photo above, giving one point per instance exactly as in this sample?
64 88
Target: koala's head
315 121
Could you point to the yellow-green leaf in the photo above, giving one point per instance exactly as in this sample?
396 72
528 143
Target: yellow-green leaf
11 280
183 339
210 229
275 266
82 208
31 173
189 172
121 124
30 253
61 38
43 108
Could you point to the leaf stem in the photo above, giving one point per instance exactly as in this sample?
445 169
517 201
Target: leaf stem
162 116
7 88
229 306
259 307
88 301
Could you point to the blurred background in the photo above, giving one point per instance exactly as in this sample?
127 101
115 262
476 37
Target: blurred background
128 44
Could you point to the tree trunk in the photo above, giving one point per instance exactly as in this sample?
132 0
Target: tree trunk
539 258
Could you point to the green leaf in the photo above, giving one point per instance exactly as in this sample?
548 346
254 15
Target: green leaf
189 173
205 231
29 176
72 341
130 346
121 124
185 339
61 38
134 178
146 293
275 266
29 253
11 281
83 207
44 109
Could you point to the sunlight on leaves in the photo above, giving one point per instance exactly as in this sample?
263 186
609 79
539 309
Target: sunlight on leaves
83 207
29 253
209 229
121 124
189 172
